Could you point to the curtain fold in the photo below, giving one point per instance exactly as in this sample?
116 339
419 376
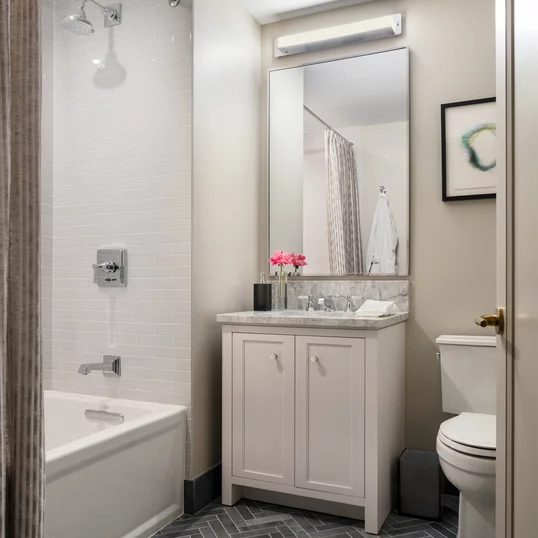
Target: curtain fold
343 211
21 394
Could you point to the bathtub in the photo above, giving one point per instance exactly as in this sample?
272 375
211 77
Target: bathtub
107 480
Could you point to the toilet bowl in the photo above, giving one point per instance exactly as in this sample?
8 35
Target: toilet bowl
466 449
466 443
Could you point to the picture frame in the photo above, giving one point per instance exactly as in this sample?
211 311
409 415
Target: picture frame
469 157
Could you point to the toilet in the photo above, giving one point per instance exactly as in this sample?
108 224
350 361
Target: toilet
466 444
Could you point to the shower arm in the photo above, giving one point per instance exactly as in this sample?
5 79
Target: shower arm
105 10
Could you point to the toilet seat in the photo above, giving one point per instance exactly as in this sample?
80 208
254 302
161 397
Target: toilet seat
473 434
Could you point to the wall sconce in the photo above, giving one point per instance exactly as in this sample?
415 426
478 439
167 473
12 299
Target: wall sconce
336 36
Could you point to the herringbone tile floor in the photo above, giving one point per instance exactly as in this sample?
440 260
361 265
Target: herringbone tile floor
251 519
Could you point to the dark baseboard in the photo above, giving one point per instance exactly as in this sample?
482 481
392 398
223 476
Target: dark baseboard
203 489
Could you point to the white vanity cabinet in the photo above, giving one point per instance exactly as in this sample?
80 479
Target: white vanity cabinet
314 415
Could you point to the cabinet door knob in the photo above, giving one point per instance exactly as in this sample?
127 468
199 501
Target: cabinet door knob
273 356
313 358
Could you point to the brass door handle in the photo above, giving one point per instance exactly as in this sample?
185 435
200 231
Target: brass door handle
494 320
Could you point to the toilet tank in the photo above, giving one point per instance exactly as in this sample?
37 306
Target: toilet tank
468 374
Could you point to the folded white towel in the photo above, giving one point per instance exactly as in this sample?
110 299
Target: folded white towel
377 309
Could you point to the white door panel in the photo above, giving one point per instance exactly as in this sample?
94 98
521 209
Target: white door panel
330 415
264 407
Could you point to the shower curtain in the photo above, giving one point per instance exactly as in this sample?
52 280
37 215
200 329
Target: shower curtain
343 213
21 409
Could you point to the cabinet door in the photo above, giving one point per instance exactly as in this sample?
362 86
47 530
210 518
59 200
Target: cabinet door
330 415
264 407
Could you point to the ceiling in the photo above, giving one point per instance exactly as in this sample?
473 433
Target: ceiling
267 11
367 90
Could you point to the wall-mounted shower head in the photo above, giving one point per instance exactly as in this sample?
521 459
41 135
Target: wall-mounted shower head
80 25
174 3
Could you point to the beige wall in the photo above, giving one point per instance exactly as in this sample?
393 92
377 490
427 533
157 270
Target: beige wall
452 47
226 83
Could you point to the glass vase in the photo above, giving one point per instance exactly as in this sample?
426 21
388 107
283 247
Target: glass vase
281 299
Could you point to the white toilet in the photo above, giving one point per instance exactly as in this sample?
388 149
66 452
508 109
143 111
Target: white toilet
466 443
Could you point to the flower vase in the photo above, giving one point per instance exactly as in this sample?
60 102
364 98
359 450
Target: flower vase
281 301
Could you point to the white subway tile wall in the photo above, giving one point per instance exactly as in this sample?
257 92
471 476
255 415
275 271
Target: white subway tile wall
122 178
47 63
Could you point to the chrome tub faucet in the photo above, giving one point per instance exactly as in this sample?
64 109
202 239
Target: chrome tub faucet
111 366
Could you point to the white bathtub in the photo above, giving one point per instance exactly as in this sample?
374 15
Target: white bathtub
112 480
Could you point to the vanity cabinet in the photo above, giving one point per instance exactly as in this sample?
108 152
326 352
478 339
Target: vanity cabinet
315 416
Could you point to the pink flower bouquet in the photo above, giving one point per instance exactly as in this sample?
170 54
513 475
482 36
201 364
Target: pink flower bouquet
281 259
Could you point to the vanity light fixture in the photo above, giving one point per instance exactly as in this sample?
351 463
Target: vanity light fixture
335 36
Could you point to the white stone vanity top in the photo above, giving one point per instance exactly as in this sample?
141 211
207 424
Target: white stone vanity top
302 318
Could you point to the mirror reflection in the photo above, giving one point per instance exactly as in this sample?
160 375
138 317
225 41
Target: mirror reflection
339 164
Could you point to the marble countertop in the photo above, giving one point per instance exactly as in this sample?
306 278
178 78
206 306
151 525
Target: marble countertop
302 318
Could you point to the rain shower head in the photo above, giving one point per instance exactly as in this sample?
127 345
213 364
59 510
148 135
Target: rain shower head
80 25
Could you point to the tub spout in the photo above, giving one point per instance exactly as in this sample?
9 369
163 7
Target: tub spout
111 366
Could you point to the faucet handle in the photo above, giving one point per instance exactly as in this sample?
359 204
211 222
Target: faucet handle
350 307
106 267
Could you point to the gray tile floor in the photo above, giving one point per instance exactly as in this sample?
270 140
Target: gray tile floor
250 519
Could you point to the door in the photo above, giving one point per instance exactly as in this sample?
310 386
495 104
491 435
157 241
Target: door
330 415
518 405
503 512
263 407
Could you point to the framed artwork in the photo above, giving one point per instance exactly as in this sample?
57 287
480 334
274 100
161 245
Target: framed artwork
469 149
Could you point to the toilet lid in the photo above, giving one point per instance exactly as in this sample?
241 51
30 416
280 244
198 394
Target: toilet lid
471 433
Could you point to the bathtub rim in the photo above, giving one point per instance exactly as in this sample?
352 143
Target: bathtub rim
91 448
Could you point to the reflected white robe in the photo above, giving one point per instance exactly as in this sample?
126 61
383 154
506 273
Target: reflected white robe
383 242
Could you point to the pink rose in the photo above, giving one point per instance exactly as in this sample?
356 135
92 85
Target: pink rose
298 260
280 257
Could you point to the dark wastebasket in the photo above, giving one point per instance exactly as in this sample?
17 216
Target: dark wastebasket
420 484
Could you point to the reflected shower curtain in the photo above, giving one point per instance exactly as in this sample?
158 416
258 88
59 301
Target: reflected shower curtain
343 213
21 409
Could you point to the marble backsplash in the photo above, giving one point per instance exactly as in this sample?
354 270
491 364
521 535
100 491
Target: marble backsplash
338 290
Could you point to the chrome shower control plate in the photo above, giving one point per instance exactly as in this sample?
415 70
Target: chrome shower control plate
110 271
115 19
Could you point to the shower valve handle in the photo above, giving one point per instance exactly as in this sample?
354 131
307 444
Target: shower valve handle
106 267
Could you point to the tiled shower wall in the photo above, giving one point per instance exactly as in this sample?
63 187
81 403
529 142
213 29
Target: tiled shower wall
122 178
47 53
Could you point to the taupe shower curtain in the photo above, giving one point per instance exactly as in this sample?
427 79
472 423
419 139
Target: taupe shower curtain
21 408
343 212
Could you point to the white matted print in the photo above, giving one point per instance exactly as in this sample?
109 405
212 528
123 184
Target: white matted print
469 137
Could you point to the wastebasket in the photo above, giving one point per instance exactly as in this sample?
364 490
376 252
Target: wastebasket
420 484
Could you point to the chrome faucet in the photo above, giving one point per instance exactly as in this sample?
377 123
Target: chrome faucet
310 307
349 306
324 304
111 366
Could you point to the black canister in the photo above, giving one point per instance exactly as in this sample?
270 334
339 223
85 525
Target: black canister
263 296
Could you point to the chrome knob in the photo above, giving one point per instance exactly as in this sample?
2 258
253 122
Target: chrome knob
106 267
273 356
313 358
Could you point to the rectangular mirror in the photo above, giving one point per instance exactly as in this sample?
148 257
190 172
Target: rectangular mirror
339 164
